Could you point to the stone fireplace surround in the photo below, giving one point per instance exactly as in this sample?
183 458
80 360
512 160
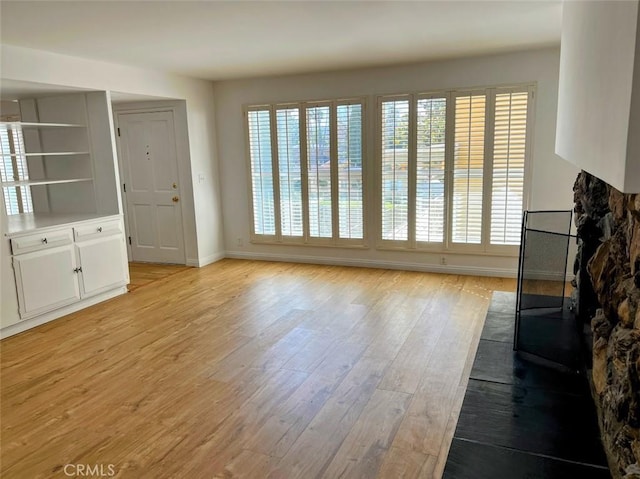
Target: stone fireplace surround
607 295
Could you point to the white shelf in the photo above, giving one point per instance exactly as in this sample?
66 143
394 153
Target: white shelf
51 153
43 182
26 124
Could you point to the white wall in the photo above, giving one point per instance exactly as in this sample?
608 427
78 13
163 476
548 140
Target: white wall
598 129
552 178
203 235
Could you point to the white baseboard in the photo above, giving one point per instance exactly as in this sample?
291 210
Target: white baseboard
366 263
46 317
200 262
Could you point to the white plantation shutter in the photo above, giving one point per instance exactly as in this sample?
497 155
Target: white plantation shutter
350 207
17 199
319 171
395 169
264 220
306 164
468 168
451 170
509 151
430 169
289 171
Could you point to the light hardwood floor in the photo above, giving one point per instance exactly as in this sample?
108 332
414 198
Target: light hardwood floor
248 369
143 274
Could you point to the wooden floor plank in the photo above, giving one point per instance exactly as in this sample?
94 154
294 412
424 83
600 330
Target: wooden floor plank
143 274
401 464
362 453
313 451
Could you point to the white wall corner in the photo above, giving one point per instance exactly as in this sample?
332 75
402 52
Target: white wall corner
200 262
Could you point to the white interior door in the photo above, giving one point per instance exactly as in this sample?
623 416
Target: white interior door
151 188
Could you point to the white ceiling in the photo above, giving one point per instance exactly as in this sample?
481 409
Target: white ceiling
233 39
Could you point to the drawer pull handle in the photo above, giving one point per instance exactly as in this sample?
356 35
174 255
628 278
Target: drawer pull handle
78 269
44 240
99 229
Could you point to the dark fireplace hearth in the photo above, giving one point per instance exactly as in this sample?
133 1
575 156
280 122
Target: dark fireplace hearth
607 294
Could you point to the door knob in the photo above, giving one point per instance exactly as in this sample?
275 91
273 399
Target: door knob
175 199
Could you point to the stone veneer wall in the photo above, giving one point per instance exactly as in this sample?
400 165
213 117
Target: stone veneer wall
608 225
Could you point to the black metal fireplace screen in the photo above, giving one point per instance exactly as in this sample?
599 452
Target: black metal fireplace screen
545 327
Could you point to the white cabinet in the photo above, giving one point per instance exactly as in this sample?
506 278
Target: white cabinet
102 257
46 280
57 267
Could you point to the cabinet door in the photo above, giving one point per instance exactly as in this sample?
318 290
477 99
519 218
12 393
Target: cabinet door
104 264
46 280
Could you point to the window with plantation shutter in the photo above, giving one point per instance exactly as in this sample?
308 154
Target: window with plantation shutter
350 194
395 169
430 169
468 169
509 153
289 171
264 220
319 167
307 176
452 169
17 199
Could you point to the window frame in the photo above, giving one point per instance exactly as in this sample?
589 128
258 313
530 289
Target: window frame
306 239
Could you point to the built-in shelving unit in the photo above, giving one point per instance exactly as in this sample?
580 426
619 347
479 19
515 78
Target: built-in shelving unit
26 150
60 208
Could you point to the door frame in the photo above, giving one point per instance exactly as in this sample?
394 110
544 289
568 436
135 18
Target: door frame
182 151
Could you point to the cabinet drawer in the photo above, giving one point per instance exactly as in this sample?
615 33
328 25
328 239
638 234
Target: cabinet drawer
40 241
97 230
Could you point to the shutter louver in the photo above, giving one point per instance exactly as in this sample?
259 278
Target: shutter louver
289 171
349 131
430 169
468 169
261 172
319 171
507 192
395 169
